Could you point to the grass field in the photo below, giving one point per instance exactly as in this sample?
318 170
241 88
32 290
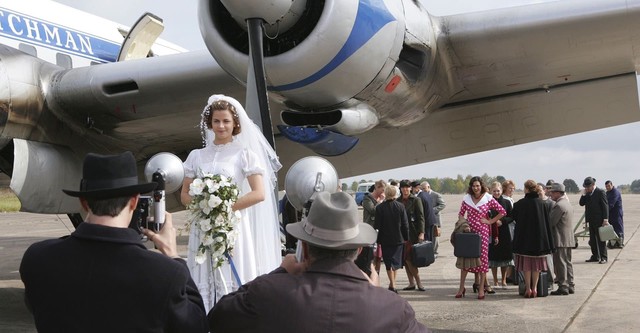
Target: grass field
8 201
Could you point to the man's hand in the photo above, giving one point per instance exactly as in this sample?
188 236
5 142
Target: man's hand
292 266
165 239
374 279
605 222
421 237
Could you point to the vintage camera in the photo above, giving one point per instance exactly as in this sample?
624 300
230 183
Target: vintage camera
140 217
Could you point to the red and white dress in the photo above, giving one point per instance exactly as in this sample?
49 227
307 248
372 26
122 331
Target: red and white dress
474 213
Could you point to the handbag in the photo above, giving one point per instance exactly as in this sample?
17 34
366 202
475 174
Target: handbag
607 233
467 245
422 254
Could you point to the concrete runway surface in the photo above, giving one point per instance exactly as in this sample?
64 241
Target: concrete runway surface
607 296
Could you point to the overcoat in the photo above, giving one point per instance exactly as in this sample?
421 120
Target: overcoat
103 279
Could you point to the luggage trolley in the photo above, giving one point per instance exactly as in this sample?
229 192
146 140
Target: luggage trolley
583 233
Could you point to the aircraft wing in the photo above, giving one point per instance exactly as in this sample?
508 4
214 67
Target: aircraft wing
408 87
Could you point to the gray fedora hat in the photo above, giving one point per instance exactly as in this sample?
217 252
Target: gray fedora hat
556 187
333 223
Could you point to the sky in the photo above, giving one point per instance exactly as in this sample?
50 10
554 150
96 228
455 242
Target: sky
610 153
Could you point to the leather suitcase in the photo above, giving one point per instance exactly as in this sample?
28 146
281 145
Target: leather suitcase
422 254
467 245
542 287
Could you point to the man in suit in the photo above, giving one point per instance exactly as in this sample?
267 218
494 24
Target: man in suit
596 215
102 278
326 292
438 205
560 219
430 221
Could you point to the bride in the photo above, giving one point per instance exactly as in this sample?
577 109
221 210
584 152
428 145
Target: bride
235 147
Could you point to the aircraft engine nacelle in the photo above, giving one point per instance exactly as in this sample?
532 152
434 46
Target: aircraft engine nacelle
40 172
320 53
347 121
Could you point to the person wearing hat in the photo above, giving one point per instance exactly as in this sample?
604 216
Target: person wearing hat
102 278
427 210
415 214
560 219
596 215
325 292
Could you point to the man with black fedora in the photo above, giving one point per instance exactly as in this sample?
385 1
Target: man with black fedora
596 214
325 292
102 278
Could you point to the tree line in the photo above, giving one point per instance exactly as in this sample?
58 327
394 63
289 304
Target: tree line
459 184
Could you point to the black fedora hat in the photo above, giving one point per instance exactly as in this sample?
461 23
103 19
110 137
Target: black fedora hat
110 176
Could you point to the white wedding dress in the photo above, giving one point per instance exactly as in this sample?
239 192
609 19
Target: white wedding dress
231 160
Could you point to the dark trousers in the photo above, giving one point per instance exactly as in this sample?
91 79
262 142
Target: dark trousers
598 248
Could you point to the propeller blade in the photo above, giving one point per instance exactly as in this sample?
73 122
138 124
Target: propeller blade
257 101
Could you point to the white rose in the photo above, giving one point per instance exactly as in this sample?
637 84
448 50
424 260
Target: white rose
196 187
214 201
207 240
200 258
205 225
219 221
209 183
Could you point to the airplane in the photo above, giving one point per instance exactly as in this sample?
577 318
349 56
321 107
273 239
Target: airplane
370 84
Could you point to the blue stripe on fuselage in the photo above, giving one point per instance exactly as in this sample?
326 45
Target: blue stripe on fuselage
371 17
31 30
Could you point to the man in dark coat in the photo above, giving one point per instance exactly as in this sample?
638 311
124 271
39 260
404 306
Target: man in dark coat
615 214
326 292
102 278
596 215
430 220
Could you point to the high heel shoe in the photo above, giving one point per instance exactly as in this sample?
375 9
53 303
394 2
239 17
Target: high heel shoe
527 294
475 288
489 290
480 296
534 293
460 295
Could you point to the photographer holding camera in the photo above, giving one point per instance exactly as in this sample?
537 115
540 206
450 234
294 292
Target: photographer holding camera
102 278
325 291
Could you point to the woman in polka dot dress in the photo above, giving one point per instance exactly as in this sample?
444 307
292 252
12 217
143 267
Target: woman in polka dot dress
476 205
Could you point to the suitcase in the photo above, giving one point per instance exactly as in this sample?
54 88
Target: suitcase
606 233
542 287
422 254
467 245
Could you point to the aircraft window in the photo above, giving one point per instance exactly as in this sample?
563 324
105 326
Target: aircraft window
64 60
28 49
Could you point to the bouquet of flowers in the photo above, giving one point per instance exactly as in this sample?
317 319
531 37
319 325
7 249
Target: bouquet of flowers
210 211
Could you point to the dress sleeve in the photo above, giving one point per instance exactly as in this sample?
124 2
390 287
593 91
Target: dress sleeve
494 204
463 209
190 164
251 165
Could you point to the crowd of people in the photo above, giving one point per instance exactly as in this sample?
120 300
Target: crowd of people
338 256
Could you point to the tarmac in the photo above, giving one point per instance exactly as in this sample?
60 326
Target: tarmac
607 296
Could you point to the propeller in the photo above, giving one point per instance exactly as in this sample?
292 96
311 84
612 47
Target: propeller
255 13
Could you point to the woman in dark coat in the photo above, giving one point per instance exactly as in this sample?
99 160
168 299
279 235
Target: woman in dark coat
393 230
532 237
415 214
500 252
